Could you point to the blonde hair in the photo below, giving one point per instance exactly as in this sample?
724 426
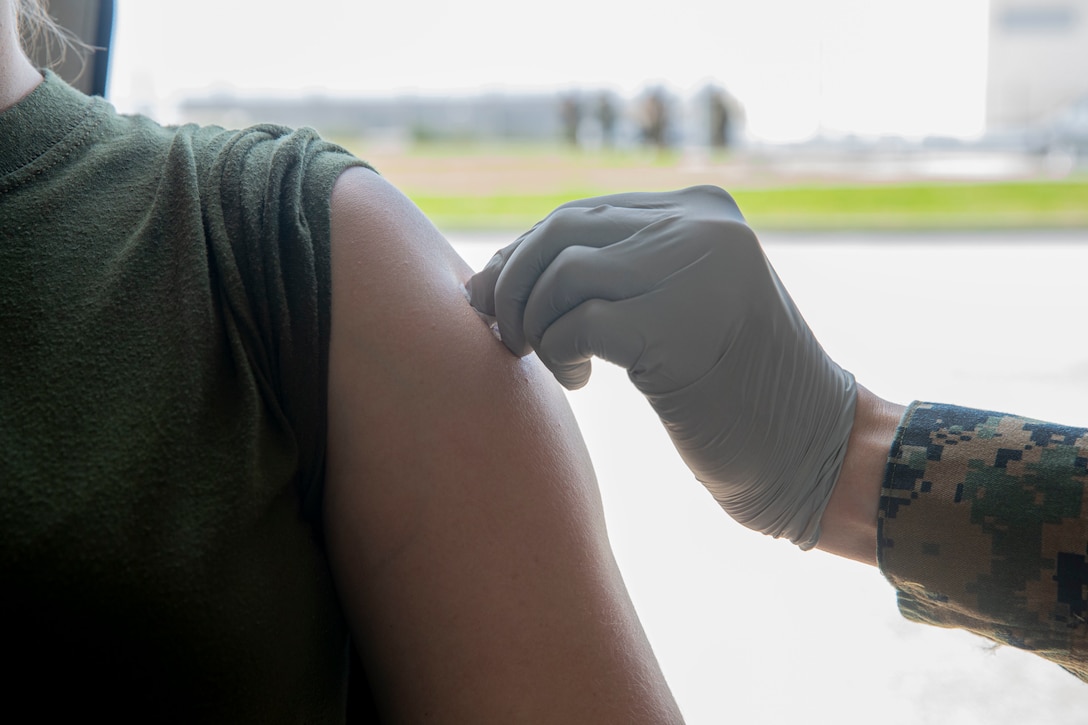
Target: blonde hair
42 37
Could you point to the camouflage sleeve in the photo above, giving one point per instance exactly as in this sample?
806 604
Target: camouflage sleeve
983 526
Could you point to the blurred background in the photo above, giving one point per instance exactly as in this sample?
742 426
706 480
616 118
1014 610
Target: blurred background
918 173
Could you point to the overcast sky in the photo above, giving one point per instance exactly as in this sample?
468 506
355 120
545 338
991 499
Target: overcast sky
849 66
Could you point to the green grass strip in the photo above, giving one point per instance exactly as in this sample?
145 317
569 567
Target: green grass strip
908 206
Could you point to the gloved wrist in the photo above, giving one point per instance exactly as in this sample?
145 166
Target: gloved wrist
774 470
848 527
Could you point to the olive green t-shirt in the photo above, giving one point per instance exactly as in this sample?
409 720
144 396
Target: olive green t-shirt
164 323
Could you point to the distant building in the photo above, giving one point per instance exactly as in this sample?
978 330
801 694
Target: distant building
1038 61
487 116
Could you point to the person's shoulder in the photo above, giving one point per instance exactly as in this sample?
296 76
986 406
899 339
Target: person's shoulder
462 517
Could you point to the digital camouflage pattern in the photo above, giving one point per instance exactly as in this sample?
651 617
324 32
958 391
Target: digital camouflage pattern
983 526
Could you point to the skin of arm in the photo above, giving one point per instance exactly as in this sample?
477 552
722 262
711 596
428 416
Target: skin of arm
848 527
464 525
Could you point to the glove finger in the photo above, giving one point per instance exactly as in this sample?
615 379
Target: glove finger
695 199
702 200
481 286
615 272
626 199
564 230
595 327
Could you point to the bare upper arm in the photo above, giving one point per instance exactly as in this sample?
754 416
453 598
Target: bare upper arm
463 520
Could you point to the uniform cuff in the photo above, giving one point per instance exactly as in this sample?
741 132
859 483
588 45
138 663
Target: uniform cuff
982 526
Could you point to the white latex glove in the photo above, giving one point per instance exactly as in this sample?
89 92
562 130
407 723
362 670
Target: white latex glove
675 288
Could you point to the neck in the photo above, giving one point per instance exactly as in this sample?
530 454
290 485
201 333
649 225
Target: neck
18 77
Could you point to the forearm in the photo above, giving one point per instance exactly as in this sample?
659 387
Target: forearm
849 524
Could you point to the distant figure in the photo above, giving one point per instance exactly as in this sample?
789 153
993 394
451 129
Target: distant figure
655 119
720 118
606 117
570 115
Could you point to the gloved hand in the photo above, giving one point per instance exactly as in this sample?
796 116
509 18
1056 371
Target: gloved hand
675 288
